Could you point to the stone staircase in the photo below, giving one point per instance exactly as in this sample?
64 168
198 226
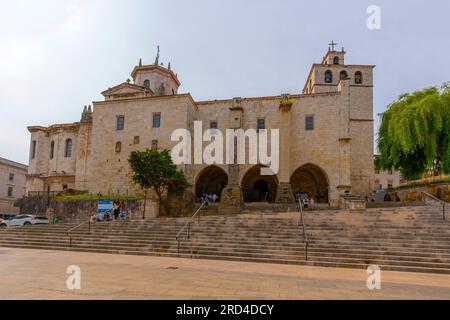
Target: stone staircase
399 239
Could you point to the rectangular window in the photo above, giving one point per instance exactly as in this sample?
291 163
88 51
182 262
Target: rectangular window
154 144
52 149
120 122
10 191
156 120
309 123
11 177
33 149
213 124
260 125
136 140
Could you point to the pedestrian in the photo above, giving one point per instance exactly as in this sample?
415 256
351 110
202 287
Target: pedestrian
312 203
215 198
305 202
206 202
116 210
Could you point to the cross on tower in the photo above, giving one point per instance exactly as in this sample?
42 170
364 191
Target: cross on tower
332 44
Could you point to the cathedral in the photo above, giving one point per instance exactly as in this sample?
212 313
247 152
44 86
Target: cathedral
325 136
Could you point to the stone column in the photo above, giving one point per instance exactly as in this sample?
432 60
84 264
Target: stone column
344 187
232 200
284 190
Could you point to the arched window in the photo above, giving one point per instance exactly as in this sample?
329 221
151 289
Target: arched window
52 149
118 147
336 60
328 76
147 84
344 75
68 151
358 77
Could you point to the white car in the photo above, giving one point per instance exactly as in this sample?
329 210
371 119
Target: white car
27 219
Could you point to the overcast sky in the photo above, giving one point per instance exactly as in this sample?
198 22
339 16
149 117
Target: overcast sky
57 56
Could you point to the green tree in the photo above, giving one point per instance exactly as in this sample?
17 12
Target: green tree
154 170
414 134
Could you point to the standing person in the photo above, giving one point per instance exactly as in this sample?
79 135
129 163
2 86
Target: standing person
215 197
305 202
116 210
312 203
206 202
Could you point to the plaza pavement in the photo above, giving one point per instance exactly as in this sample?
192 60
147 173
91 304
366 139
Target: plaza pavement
39 274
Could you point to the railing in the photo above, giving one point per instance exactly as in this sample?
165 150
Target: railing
188 225
443 203
302 223
76 227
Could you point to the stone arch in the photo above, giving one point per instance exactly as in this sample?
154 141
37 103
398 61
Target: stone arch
258 188
312 180
211 179
343 75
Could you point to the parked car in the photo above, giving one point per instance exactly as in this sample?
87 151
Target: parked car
27 219
3 223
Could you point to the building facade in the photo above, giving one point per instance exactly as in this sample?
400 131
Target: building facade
386 179
326 135
12 185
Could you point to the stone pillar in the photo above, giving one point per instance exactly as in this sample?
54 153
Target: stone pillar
284 190
344 187
232 200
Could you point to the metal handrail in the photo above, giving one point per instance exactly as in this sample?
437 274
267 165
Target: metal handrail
442 202
302 222
188 225
76 227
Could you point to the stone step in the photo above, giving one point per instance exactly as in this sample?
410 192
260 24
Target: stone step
400 239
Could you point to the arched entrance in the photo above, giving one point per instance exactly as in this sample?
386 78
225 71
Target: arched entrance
212 179
310 180
258 188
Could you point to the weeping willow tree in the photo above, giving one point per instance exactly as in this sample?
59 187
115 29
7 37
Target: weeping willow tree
414 134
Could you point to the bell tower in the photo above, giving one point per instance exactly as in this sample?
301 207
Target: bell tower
333 56
161 80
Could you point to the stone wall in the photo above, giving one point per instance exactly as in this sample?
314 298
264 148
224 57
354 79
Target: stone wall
78 211
414 194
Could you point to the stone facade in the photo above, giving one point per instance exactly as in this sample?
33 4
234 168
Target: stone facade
12 184
326 136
